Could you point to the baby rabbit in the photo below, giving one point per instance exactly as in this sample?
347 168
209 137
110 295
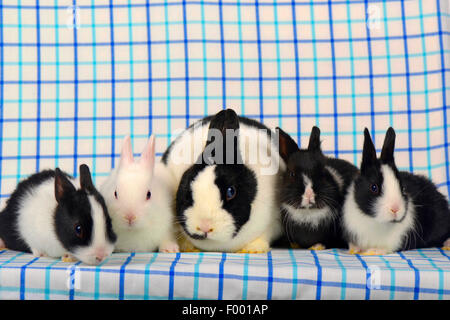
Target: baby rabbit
387 210
50 215
138 196
312 192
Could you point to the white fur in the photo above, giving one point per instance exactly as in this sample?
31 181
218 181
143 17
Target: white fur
336 176
36 225
373 232
311 217
153 227
264 221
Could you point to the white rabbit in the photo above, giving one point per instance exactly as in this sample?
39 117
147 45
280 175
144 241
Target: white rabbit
138 196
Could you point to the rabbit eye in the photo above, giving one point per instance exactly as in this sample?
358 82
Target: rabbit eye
149 194
374 188
78 231
231 193
115 194
292 174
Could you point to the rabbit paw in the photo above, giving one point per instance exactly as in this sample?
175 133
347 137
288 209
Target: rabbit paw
2 244
68 258
446 245
256 246
352 249
317 246
374 252
169 247
294 245
38 253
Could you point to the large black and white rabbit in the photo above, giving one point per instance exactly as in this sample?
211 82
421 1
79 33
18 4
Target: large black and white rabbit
312 193
388 210
226 197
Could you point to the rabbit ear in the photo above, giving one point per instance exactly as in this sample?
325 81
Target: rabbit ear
63 186
85 179
126 157
369 156
148 154
387 152
222 145
314 139
287 145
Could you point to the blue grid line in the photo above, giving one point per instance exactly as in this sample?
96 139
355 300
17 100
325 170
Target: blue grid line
168 68
319 281
57 92
278 62
416 276
265 41
221 276
97 278
294 273
19 125
147 276
408 85
72 280
389 67
48 270
75 98
94 97
370 63
174 60
2 79
122 276
344 274
172 275
150 73
131 66
38 83
364 265
222 55
314 46
260 72
297 70
334 78
196 278
441 274
22 277
113 80
212 3
425 67
245 277
205 65
392 273
444 94
269 275
186 62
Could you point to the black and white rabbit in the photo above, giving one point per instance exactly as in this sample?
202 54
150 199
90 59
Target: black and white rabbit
226 200
387 210
312 192
51 214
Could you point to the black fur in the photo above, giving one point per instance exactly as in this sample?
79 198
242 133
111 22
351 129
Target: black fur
432 223
227 175
73 208
312 163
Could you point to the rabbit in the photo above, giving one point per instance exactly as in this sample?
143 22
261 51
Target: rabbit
225 200
53 215
312 192
387 210
138 196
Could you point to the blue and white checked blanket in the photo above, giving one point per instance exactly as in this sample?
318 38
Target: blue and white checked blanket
77 76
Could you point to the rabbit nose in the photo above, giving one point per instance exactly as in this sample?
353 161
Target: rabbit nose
205 226
130 218
309 194
100 255
395 208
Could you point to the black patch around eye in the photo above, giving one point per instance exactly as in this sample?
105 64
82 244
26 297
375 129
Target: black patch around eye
245 184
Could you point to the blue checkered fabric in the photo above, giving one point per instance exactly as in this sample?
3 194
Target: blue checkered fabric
77 76
279 274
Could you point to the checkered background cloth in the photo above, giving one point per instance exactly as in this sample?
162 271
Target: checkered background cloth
77 76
